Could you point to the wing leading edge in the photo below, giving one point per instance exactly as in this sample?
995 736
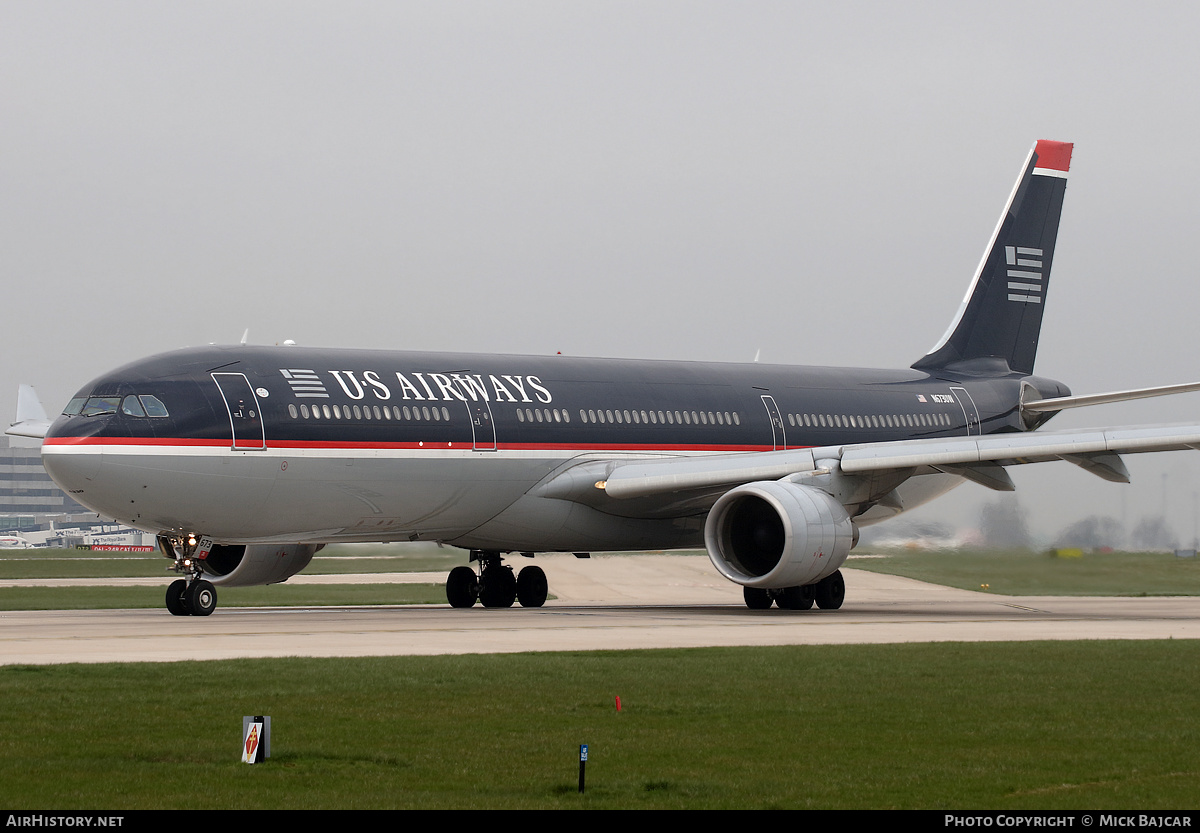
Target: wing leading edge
1095 450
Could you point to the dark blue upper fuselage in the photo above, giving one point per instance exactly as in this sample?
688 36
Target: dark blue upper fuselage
332 396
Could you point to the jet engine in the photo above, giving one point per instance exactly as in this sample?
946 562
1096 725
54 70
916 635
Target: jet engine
248 565
774 534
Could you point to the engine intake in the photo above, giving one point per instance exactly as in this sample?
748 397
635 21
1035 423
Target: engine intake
244 565
774 534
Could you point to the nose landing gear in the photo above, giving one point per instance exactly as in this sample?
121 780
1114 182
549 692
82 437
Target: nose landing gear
191 595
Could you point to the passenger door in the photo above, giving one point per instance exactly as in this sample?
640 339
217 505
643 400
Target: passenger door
245 416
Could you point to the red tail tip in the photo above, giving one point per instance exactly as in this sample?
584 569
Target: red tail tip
1054 155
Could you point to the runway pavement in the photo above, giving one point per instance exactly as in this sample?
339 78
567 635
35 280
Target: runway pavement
623 602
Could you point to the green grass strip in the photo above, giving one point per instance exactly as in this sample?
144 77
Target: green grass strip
1024 573
300 595
1052 725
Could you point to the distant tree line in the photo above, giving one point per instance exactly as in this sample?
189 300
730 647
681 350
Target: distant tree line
1003 524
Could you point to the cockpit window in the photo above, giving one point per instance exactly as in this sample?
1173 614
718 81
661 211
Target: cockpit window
97 405
154 406
143 405
131 406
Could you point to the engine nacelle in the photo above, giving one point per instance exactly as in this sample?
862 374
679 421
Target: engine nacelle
773 534
244 565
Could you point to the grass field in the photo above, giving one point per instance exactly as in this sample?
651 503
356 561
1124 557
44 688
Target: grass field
60 564
301 595
1095 725
1056 725
1024 573
337 559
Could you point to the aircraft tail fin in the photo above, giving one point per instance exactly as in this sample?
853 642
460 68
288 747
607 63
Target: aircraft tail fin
1001 316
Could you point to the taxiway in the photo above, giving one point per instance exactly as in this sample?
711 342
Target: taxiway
604 603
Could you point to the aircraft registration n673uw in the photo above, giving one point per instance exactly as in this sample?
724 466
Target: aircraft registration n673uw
245 460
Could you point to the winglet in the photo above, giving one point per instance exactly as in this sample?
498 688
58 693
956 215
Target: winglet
31 416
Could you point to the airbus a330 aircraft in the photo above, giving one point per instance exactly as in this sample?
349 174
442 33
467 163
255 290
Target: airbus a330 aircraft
245 460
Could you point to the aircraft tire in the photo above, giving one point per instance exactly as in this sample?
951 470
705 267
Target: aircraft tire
462 587
756 598
532 587
176 604
201 598
831 591
795 598
498 587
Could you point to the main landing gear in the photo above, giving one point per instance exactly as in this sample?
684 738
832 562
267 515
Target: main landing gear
496 585
827 594
191 595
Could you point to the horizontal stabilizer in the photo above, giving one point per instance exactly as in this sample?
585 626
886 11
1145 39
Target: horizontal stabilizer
1061 403
31 416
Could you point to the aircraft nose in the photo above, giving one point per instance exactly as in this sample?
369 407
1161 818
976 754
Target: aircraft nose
70 456
72 468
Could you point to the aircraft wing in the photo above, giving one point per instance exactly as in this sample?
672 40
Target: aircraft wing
978 458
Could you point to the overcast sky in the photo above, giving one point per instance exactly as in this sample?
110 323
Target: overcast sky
685 180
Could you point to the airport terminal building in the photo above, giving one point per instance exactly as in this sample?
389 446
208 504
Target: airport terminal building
29 499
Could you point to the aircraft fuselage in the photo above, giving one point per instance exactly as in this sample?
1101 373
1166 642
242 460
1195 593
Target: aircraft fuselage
272 444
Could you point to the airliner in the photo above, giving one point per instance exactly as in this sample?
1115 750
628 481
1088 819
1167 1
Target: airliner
245 460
